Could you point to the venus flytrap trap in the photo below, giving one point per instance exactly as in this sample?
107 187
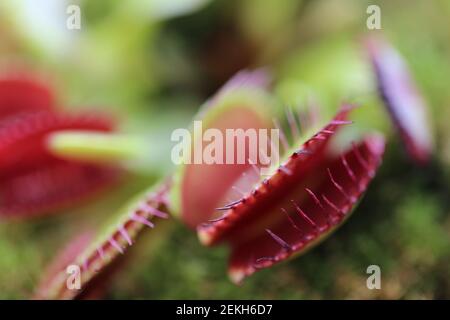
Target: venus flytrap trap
307 196
260 217
99 255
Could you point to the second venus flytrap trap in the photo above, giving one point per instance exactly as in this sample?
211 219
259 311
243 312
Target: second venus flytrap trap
263 214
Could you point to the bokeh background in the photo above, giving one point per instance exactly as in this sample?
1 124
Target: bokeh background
152 63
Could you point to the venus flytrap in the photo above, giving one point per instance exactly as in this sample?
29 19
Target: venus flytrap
323 172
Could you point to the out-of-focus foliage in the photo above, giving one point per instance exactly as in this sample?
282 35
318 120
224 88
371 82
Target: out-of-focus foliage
152 63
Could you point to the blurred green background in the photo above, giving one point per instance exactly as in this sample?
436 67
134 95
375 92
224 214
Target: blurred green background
153 62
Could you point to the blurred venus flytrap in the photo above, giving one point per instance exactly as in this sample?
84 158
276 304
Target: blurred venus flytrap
402 99
35 181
